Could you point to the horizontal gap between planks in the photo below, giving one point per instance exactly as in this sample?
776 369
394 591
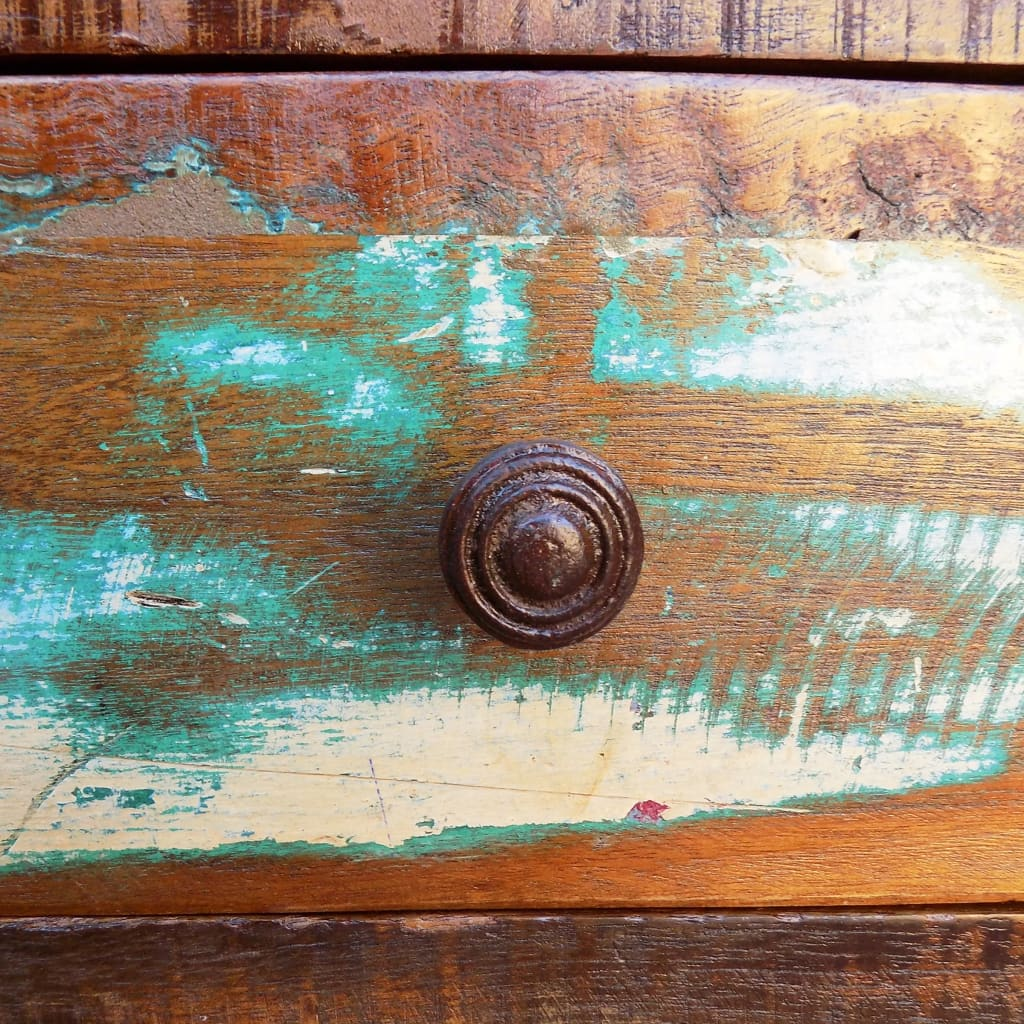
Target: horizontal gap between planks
688 911
113 64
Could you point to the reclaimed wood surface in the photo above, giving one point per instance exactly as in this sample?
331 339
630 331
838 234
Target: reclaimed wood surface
627 154
232 679
229 655
650 968
947 31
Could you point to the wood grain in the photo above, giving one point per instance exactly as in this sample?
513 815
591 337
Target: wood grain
628 154
808 967
229 431
953 31
234 679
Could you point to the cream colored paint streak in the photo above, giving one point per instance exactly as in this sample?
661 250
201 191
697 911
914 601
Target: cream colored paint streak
340 771
849 320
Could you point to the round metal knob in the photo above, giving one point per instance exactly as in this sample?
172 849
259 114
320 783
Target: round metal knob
541 544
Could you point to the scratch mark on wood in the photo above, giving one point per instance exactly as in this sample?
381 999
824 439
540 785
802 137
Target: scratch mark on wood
40 798
380 800
433 331
200 442
323 572
57 780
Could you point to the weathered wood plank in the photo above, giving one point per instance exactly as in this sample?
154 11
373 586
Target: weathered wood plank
264 429
947 31
569 154
418 969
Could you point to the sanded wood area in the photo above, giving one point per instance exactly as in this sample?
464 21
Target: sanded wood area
650 968
629 154
948 31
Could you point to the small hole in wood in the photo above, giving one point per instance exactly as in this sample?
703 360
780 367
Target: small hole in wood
854 235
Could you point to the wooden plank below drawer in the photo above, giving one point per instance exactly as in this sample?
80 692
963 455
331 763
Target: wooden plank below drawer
945 31
808 967
813 696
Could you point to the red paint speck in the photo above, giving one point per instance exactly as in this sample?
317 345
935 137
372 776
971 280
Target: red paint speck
647 812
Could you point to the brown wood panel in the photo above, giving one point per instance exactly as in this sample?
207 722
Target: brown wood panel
811 968
114 407
166 162
952 31
630 154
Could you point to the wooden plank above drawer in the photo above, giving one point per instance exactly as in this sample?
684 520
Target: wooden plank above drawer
629 154
948 31
233 680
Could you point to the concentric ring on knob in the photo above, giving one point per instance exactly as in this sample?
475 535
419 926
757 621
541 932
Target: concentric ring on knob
541 544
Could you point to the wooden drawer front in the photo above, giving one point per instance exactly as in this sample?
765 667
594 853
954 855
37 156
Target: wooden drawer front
233 679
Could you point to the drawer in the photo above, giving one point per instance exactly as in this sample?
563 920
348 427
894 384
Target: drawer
255 331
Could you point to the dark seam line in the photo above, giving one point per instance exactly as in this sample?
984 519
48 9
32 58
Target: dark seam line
114 64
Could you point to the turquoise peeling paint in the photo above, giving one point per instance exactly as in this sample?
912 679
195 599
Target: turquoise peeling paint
975 562
127 798
67 619
351 372
644 343
631 345
358 395
77 652
421 292
68 613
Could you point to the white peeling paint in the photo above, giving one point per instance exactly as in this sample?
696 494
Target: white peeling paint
628 246
370 398
490 314
848 320
433 331
852 625
476 759
32 186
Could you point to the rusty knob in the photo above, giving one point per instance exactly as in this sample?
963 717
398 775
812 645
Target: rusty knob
541 544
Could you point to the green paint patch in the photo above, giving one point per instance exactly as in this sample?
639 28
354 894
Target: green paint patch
841 700
343 365
633 339
357 394
129 799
